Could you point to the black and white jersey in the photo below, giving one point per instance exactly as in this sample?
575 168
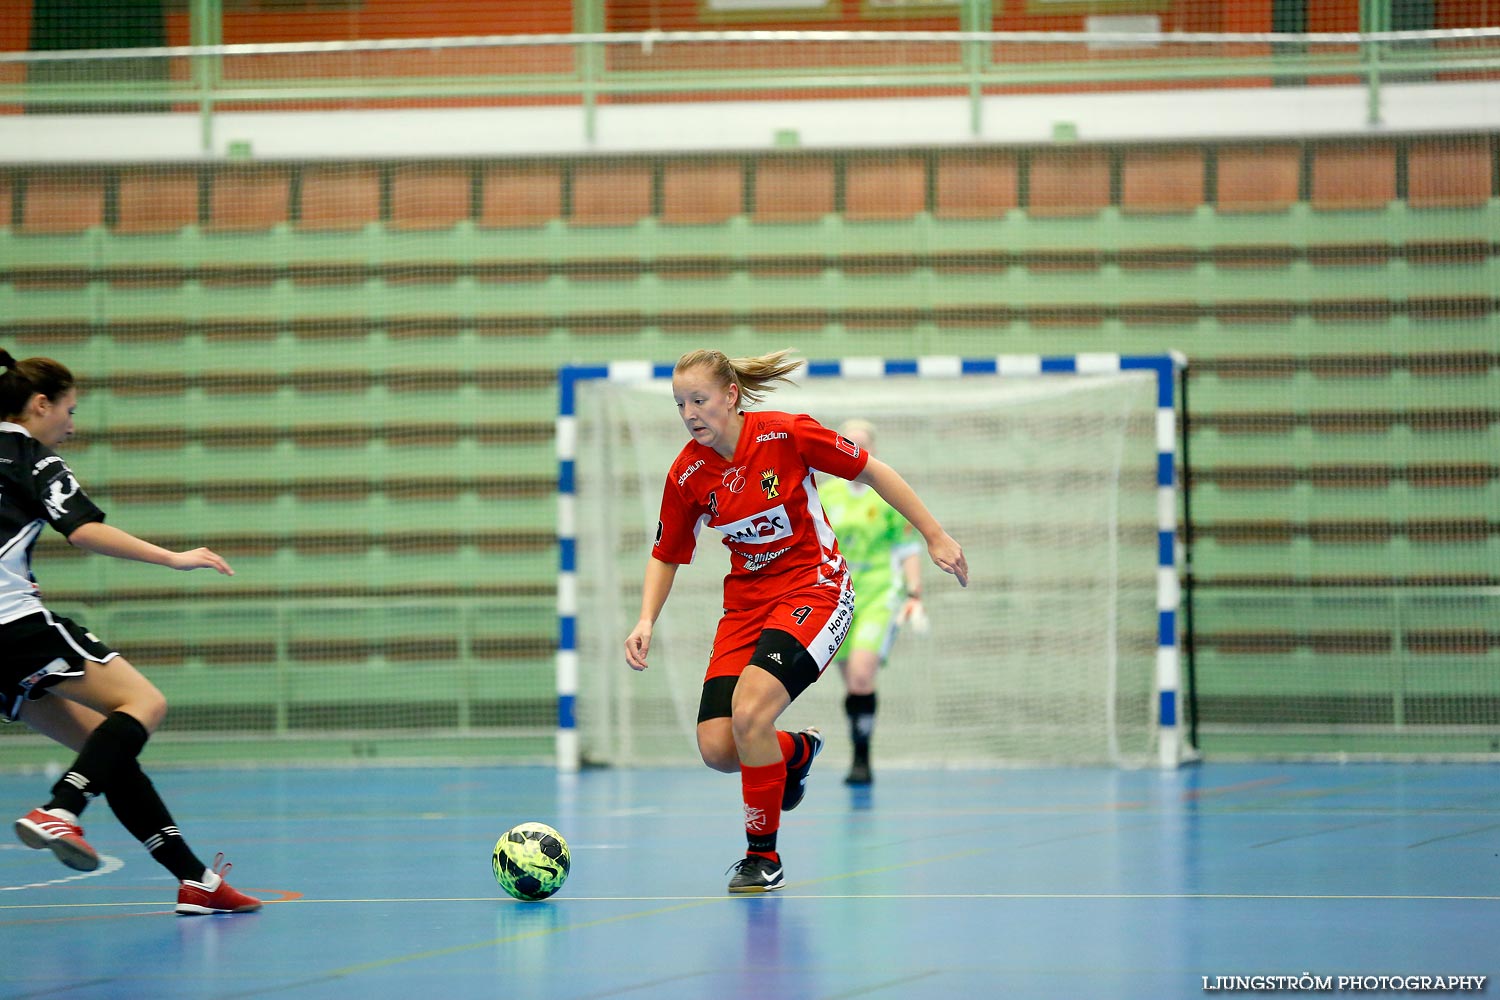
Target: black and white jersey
36 488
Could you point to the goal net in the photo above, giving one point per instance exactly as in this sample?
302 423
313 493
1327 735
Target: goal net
1049 481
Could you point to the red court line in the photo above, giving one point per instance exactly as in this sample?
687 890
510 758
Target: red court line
1208 793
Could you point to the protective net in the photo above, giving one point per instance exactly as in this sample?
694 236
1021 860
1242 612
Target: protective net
1048 482
316 275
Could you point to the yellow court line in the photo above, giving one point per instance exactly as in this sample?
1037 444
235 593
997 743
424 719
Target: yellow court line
456 949
692 904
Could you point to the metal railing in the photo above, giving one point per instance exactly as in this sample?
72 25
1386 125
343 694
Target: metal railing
597 69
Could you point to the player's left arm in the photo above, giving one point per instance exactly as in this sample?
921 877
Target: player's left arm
945 551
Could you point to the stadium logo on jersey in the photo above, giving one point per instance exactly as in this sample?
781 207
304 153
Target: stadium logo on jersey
847 447
769 482
771 436
59 492
734 479
759 529
689 471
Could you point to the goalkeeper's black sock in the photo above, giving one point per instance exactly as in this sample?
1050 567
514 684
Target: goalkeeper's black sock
115 743
860 708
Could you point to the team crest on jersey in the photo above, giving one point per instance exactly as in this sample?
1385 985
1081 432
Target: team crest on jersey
59 491
770 483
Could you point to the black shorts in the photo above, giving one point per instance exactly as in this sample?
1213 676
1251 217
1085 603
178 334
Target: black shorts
40 650
777 652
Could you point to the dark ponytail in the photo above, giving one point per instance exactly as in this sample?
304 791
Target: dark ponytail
20 380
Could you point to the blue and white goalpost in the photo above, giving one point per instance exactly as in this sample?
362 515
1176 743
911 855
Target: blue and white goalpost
1056 474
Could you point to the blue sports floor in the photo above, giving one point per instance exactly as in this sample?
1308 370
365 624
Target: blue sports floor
1056 883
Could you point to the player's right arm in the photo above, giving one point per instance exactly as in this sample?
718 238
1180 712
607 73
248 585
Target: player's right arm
659 577
107 540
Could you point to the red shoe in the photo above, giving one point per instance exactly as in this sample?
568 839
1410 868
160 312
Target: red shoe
39 829
213 894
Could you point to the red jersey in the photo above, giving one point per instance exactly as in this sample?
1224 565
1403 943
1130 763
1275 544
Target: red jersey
765 502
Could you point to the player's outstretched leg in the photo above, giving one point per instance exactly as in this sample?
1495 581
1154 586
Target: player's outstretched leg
114 741
211 894
809 743
60 834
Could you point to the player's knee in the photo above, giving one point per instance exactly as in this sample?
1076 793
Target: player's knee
751 718
150 710
724 763
719 755
144 701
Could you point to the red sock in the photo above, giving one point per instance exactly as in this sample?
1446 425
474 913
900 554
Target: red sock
762 788
788 745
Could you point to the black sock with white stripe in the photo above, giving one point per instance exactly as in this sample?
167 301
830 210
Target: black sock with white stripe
860 708
117 741
140 810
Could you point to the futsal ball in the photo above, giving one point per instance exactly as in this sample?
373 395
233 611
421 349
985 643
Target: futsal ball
531 861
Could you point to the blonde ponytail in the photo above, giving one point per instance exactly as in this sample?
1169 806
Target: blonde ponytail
755 377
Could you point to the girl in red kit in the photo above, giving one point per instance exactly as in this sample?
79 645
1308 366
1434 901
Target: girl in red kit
787 599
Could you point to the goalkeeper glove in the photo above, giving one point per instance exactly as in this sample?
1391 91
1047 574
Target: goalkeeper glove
914 617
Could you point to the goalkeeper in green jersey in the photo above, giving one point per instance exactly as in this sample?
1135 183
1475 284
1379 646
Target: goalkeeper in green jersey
882 551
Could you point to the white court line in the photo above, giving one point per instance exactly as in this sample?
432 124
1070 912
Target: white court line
107 863
1016 896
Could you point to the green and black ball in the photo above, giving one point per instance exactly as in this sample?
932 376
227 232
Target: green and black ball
531 861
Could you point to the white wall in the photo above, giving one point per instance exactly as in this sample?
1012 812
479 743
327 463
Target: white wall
751 125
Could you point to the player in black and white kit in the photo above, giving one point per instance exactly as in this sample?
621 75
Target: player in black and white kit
60 679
